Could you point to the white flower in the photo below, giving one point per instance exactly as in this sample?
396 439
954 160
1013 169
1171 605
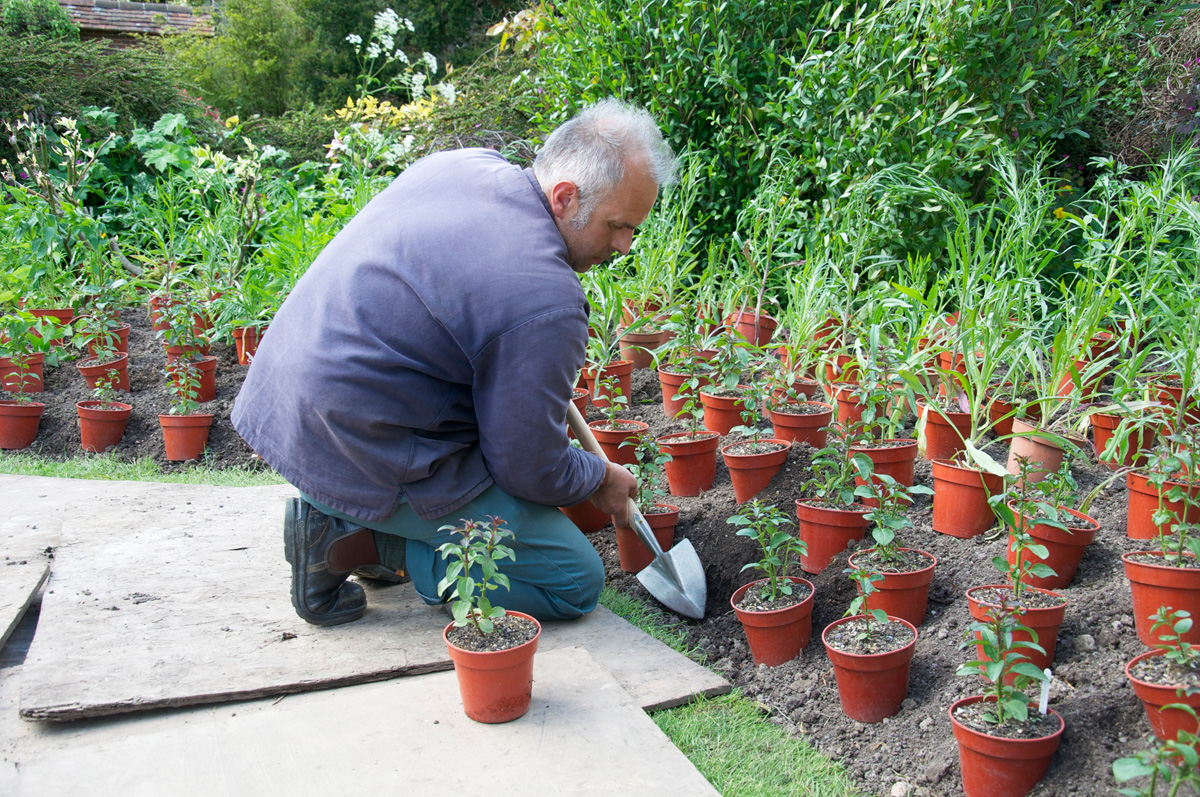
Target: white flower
408 24
401 56
387 22
431 62
418 85
447 91
373 50
387 41
354 39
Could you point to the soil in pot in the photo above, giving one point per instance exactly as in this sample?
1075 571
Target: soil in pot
1159 682
495 671
801 423
871 664
777 631
619 439
1003 766
904 591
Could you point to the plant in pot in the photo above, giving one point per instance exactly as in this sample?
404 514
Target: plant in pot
26 349
776 611
102 420
1043 609
185 428
1062 420
833 516
870 652
492 649
1157 492
612 433
722 397
902 589
795 416
1045 512
20 416
97 334
1167 678
246 309
603 346
1125 425
755 460
1174 763
1004 747
693 465
1169 575
649 462
681 358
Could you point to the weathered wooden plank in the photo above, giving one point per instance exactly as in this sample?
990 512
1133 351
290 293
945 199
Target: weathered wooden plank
19 585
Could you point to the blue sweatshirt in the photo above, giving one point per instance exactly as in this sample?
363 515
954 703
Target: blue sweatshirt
429 351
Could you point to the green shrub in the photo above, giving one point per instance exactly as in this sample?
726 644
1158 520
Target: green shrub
304 132
37 17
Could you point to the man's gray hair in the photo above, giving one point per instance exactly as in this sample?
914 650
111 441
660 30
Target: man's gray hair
593 149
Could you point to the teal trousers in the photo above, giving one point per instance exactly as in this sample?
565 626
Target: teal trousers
557 574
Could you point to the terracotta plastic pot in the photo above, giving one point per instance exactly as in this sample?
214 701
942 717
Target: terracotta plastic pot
802 428
693 465
101 429
92 374
246 339
495 685
19 424
829 333
827 532
993 766
944 438
1165 724
902 595
997 410
157 305
1039 450
1143 503
207 366
757 328
897 461
586 517
177 352
751 473
10 374
1044 622
621 369
636 347
611 440
960 499
1157 585
721 413
670 383
1064 549
636 557
777 636
185 435
848 408
579 397
871 687
121 343
1104 426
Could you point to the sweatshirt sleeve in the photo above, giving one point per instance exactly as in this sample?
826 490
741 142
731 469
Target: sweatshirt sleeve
522 384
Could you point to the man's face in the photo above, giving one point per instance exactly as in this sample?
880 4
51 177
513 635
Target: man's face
611 227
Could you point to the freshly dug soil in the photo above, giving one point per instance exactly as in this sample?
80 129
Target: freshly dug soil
1104 720
861 637
1036 726
508 632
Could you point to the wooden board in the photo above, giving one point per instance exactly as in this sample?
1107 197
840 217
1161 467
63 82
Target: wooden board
182 597
19 585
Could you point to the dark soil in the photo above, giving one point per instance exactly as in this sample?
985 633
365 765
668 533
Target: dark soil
1036 726
58 434
1104 720
860 637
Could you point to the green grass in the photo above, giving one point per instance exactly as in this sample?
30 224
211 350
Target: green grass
728 738
107 467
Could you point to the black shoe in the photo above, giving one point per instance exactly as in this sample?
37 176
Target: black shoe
320 594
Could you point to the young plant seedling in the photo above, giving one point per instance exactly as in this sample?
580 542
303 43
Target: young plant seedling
891 516
1169 626
873 619
1003 656
611 386
1175 461
692 410
834 471
106 387
481 551
649 470
754 398
1173 764
183 380
762 523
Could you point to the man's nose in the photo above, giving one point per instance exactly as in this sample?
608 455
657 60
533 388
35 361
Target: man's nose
623 241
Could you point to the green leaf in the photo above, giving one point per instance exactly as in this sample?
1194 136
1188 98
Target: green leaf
1129 768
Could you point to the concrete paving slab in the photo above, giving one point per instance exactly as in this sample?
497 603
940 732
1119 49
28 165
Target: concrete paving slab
583 735
19 584
181 597
30 516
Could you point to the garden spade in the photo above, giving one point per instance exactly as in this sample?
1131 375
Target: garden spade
674 577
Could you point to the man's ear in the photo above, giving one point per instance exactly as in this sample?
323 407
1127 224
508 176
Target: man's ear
564 200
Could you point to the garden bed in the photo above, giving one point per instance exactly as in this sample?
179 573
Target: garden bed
1104 720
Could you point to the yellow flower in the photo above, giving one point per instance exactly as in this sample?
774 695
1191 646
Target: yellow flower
232 121
1059 213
